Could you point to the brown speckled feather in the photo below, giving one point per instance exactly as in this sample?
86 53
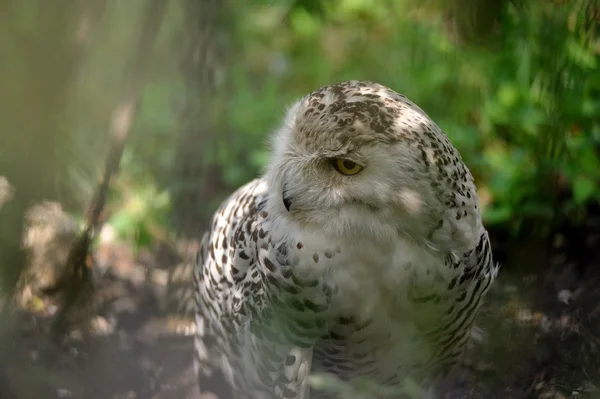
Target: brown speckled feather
377 275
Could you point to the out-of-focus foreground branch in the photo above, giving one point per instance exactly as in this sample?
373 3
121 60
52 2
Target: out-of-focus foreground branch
76 286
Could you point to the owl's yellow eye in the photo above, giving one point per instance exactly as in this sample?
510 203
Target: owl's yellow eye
346 166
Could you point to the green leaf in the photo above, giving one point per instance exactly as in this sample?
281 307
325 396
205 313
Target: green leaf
583 189
581 55
498 214
537 209
143 238
304 23
508 95
122 222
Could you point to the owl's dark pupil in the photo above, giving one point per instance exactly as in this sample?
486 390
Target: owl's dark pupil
349 164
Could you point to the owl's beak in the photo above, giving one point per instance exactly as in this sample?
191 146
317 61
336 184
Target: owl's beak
286 200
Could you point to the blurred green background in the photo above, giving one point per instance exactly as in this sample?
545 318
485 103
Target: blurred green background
515 84
192 89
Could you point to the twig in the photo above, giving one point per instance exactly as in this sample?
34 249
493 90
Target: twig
77 285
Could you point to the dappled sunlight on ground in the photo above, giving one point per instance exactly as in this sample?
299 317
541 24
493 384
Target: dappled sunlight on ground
535 337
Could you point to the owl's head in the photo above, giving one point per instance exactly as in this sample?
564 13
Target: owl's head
358 159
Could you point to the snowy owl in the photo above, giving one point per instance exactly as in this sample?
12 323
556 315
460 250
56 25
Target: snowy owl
360 254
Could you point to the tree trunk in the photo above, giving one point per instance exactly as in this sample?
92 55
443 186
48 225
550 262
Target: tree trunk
196 178
205 43
36 76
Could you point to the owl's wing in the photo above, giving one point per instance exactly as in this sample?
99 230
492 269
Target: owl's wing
242 322
475 272
457 303
476 269
282 368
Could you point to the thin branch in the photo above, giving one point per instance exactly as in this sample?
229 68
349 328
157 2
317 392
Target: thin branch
77 284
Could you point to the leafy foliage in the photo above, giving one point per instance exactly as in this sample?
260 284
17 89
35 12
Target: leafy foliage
521 105
522 111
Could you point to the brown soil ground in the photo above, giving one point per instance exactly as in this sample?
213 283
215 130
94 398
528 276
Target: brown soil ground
538 335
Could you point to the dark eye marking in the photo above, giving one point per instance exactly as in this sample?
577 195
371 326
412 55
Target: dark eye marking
349 164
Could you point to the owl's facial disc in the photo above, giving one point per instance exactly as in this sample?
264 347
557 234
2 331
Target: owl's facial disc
342 166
